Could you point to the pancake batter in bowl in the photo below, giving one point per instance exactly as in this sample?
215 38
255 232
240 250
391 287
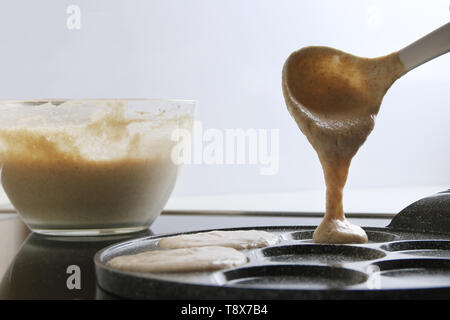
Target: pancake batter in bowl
88 166
334 98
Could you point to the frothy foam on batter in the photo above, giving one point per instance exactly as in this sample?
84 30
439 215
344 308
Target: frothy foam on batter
85 130
88 164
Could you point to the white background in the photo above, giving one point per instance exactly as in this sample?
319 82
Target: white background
228 55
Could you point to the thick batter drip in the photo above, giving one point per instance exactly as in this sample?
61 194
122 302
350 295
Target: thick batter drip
334 97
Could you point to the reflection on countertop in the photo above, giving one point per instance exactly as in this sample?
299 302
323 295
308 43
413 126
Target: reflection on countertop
12 234
57 267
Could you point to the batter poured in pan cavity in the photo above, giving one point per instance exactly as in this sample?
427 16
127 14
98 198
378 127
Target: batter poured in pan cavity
334 98
180 260
237 239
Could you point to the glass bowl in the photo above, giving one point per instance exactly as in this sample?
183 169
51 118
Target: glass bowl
91 167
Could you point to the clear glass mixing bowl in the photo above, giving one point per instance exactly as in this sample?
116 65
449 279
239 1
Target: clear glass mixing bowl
91 167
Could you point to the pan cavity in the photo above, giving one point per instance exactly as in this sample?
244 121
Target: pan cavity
411 274
373 236
292 277
320 254
427 248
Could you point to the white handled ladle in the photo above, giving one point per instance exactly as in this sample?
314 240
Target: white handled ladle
429 47
334 97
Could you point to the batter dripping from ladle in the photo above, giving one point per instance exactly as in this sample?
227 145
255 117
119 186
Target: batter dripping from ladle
334 97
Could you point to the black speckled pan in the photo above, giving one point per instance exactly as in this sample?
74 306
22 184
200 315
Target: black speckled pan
402 260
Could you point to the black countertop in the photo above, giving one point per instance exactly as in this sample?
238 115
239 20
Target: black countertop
38 267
